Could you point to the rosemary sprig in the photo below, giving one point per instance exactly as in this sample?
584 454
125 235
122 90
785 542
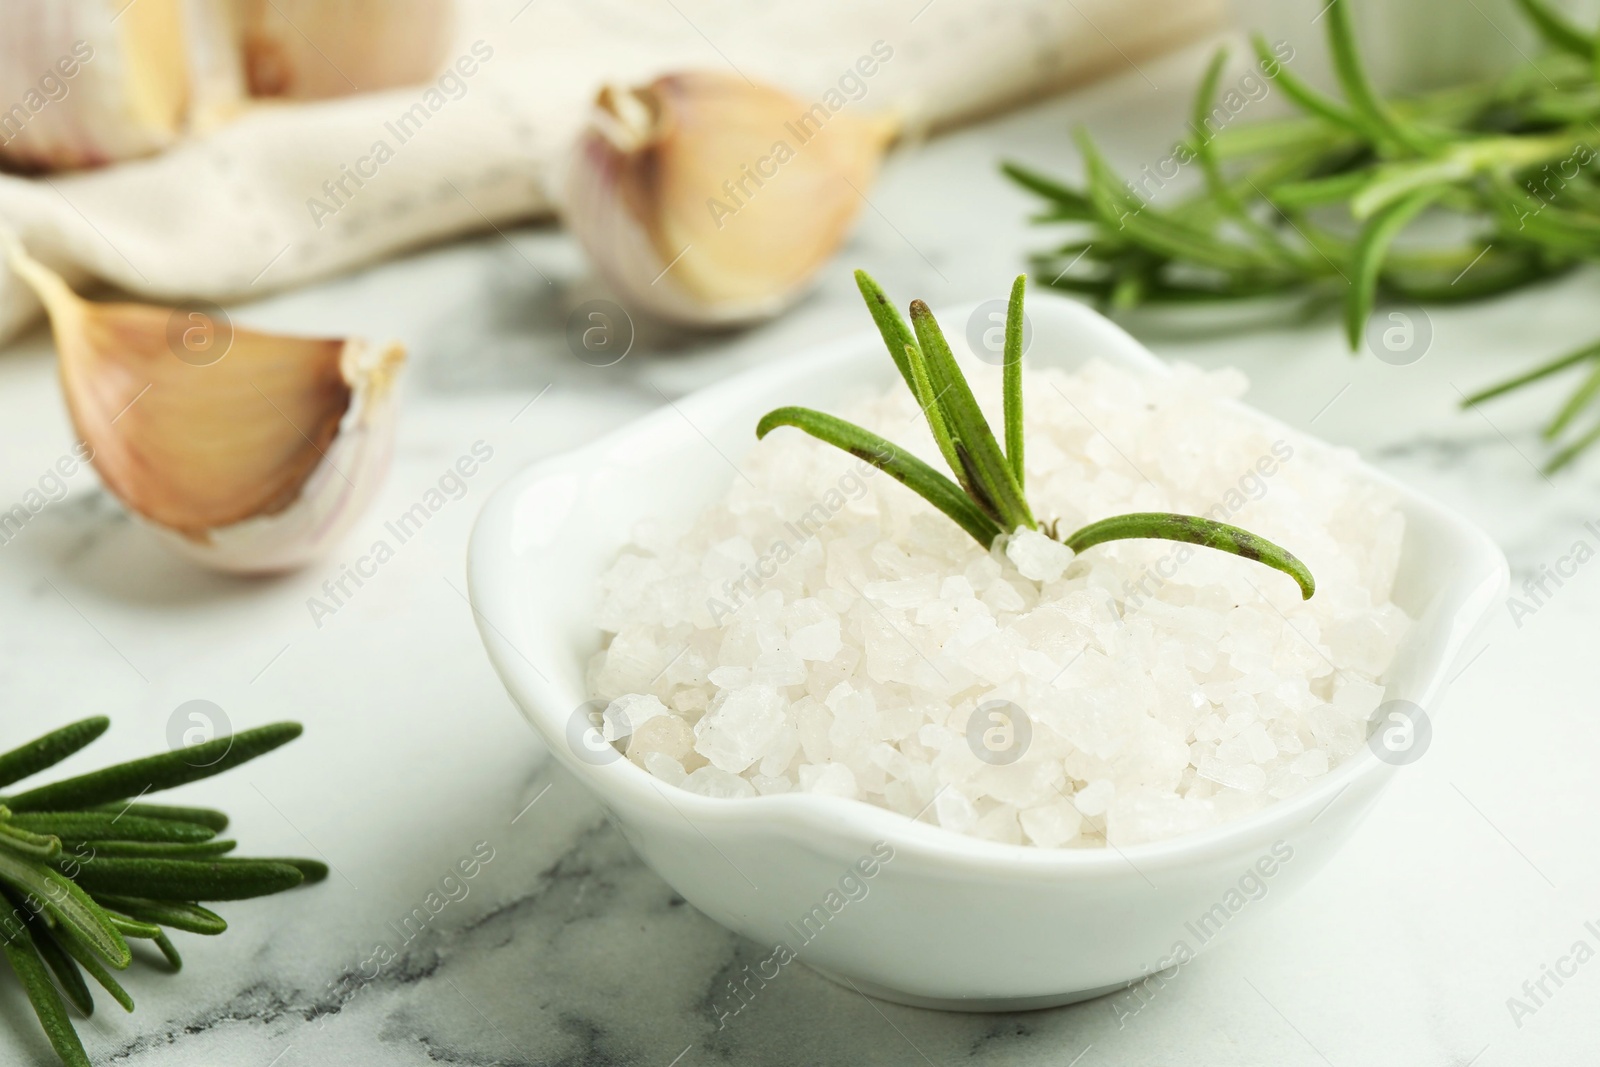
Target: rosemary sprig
1316 204
79 874
989 502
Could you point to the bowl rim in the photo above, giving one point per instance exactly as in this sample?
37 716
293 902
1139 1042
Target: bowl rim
812 817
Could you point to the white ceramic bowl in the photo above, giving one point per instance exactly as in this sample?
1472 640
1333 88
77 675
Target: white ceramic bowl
950 921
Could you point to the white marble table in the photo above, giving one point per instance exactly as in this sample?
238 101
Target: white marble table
1477 869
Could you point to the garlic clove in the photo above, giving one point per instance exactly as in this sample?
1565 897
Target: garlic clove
97 81
314 49
217 92
252 452
708 200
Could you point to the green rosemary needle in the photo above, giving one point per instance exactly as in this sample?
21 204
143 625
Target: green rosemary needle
88 825
165 771
1316 204
989 501
80 874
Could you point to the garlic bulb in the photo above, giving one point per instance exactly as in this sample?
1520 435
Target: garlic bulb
708 200
312 49
97 81
251 452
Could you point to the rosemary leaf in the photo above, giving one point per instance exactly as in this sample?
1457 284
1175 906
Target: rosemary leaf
1012 383
1314 192
68 977
1130 290
1458 163
130 927
978 451
1358 91
1556 30
1370 250
42 846
1303 94
902 345
169 950
184 880
165 771
939 426
1496 272
1572 451
897 336
157 849
1555 366
903 467
1568 231
1581 398
1070 203
216 820
1221 191
1120 210
86 959
178 914
31 971
1195 530
52 748
148 931
313 871
61 897
88 825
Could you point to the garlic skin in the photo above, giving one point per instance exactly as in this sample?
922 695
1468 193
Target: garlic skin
709 201
92 82
316 49
256 460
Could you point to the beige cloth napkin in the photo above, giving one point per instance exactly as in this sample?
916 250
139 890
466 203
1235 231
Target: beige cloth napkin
292 192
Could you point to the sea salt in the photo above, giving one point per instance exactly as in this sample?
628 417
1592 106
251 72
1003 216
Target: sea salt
832 779
627 713
823 629
1310 764
711 782
1094 798
1037 556
742 725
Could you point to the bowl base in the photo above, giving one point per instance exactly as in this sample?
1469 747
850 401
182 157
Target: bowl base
969 1004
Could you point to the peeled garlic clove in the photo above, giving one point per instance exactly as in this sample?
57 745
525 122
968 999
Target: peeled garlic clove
256 460
97 81
313 49
708 200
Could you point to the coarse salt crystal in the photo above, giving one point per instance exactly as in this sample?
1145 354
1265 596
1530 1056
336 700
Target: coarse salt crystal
741 727
1094 798
712 782
830 779
1051 825
1037 556
955 811
955 587
664 767
1257 742
627 713
1310 764
818 641
1245 777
